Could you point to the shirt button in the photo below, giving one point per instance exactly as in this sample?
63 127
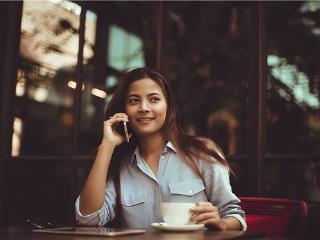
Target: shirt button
190 191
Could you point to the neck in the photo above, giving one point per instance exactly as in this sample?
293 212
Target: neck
151 145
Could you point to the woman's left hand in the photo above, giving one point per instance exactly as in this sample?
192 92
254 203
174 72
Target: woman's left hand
206 213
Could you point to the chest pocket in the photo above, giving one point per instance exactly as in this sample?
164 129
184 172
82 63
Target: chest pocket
133 206
191 190
133 199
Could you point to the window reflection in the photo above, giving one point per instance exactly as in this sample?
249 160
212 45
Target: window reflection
296 83
195 56
16 137
123 42
48 55
293 118
125 49
206 57
50 34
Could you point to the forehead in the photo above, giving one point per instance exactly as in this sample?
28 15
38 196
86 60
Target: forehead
144 86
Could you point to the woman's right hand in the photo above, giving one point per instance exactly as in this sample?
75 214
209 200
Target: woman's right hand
110 135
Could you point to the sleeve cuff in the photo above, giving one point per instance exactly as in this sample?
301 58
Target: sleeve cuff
92 219
240 219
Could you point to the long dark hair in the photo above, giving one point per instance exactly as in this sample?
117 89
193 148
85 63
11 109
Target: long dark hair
190 147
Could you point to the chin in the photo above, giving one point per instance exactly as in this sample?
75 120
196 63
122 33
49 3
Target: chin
147 132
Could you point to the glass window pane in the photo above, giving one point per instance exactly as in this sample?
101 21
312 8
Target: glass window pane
205 55
125 49
46 74
299 179
293 116
126 39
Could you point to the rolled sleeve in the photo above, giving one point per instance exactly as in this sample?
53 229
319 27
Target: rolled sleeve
103 215
220 194
241 219
232 209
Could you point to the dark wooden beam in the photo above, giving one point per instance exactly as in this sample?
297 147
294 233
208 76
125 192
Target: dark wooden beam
256 98
10 27
159 35
79 80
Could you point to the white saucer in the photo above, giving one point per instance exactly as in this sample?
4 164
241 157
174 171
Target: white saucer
167 227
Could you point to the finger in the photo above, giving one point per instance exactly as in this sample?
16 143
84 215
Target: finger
212 222
193 214
118 119
204 216
204 204
119 115
107 123
201 204
205 208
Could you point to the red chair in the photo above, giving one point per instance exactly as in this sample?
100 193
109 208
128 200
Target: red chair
277 218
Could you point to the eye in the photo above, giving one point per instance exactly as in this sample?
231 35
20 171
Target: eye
155 99
133 100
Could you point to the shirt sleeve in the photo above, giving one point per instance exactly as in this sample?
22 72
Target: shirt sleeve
219 193
103 215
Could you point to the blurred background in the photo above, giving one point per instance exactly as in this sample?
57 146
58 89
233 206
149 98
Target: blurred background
246 74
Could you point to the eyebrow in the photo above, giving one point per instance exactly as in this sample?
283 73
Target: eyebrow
150 94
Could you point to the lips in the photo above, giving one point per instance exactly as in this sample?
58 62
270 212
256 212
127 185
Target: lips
144 119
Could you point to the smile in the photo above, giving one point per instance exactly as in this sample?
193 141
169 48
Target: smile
144 120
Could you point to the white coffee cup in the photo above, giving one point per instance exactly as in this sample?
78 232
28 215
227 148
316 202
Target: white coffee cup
176 213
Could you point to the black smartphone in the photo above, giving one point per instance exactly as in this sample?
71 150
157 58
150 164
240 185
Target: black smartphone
124 129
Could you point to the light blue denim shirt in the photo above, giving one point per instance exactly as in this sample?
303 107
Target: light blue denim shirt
142 191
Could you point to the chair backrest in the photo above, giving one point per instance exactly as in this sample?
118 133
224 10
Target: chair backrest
277 218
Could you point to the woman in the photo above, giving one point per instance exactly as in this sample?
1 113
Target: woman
159 164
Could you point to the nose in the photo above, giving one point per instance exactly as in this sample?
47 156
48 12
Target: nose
144 106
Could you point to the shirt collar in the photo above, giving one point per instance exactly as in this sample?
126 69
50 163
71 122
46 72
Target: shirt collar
136 154
168 146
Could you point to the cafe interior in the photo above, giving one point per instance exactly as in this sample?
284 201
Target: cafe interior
245 74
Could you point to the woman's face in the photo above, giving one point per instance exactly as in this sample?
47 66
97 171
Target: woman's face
146 106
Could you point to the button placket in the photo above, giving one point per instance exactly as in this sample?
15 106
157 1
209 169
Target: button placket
161 165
